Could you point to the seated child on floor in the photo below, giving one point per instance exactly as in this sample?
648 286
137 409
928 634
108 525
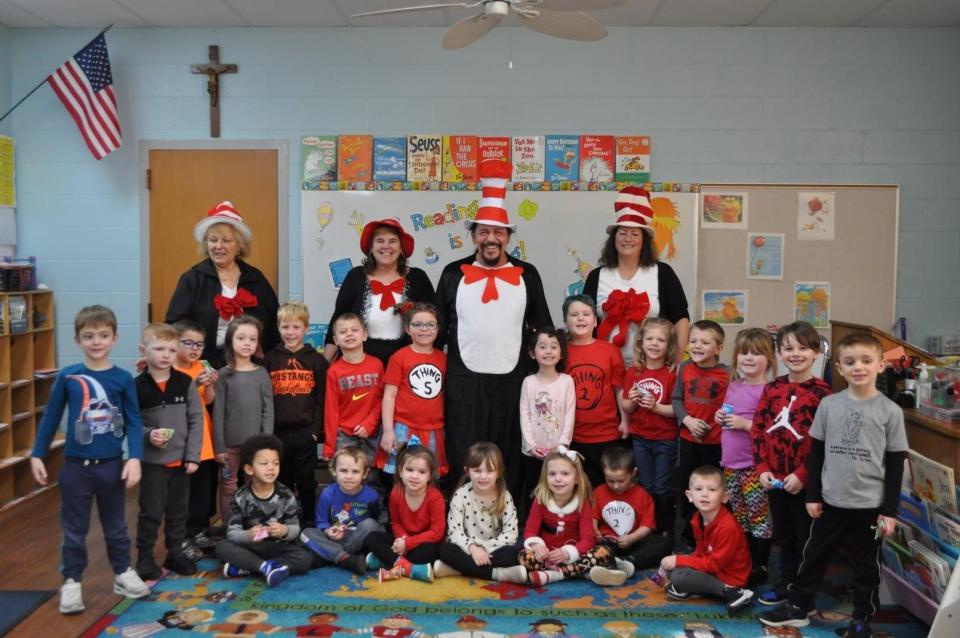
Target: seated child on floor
720 563
559 540
264 519
482 525
624 515
347 512
417 519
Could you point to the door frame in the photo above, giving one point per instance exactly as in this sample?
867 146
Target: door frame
283 204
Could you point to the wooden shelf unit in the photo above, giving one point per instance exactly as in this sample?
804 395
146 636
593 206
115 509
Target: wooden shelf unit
22 396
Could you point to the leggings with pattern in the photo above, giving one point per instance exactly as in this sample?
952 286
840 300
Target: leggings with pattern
599 556
748 501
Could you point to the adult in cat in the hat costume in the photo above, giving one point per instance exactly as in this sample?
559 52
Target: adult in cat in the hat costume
375 288
489 304
630 284
223 286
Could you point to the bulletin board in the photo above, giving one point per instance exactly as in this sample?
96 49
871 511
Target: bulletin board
559 232
837 245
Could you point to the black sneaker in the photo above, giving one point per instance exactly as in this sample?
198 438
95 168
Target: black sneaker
191 551
856 629
357 563
203 542
675 594
147 569
180 564
737 598
773 596
785 615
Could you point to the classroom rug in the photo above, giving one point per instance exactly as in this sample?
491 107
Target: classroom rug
17 605
334 602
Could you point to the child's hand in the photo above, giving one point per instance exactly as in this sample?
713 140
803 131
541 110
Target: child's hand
361 432
737 422
276 529
399 546
254 534
792 484
635 395
480 555
624 427
335 532
697 427
541 452
208 377
131 473
888 524
624 541
39 470
766 480
387 441
540 552
669 563
157 439
647 401
815 510
719 416
191 467
558 556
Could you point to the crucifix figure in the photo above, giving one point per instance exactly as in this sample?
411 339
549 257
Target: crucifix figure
213 71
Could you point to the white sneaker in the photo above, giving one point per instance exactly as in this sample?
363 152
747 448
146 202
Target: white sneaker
442 570
626 567
130 584
607 577
71 597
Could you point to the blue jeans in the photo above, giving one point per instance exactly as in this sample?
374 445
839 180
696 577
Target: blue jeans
82 480
655 462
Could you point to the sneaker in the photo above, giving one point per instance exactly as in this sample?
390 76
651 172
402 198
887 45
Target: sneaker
129 584
626 566
203 542
274 573
442 570
394 573
856 629
773 596
181 564
191 551
516 574
357 563
541 578
373 562
148 570
71 597
737 598
675 594
785 615
232 571
607 577
422 572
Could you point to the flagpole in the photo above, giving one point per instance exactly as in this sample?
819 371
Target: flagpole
34 90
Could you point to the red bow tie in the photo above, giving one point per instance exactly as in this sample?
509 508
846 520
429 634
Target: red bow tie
386 291
620 309
473 274
230 308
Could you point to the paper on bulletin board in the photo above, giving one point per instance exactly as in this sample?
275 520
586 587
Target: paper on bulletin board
8 196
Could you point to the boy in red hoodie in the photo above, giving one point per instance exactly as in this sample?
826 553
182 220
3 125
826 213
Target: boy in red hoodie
720 563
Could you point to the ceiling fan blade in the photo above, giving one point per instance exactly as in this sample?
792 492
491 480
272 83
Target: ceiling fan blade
469 30
422 7
580 5
568 25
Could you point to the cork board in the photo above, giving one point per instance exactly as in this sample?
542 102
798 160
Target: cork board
859 263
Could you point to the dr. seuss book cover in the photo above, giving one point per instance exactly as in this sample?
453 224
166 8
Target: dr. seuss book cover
562 158
933 481
494 148
460 158
633 159
319 157
355 160
596 158
390 159
424 154
528 158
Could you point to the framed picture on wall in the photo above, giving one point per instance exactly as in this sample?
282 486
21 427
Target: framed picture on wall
765 256
811 303
725 306
726 211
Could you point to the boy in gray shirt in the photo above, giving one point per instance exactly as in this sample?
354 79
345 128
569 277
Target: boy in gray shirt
855 466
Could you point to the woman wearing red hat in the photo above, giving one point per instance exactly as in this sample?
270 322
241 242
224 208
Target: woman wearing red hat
223 286
373 289
630 284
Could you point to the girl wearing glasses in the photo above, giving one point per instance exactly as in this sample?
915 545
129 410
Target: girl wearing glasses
413 391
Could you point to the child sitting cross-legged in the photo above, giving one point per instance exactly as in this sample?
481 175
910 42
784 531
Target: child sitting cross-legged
264 519
347 512
720 563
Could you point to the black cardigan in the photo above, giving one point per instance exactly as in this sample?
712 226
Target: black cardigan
673 303
193 299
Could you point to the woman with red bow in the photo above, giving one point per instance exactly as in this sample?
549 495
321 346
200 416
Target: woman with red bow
630 284
223 286
377 289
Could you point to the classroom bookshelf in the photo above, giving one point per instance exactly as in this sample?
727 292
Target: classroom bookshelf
27 370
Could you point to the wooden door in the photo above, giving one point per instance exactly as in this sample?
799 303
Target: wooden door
184 185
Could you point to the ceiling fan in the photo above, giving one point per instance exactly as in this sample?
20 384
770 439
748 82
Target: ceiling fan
560 18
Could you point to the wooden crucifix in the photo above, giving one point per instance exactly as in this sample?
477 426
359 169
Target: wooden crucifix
213 71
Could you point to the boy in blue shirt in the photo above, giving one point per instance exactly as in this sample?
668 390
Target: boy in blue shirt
347 511
102 411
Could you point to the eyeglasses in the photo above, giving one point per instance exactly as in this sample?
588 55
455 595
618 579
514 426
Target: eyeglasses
187 343
424 325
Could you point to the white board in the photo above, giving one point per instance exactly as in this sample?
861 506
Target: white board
561 233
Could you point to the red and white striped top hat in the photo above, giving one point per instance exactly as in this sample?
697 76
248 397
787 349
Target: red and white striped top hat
494 175
222 213
633 209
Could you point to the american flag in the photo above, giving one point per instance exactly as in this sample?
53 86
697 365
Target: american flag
85 86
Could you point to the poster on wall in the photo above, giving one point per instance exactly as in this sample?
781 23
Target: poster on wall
725 306
816 213
811 303
724 211
765 256
560 232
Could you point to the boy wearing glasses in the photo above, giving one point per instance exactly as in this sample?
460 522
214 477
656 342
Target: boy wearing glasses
298 374
203 482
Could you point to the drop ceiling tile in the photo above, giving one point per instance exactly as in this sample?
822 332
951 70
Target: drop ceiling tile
815 13
185 13
675 13
915 13
288 13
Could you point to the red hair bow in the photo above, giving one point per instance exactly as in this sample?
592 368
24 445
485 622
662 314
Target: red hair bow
620 310
387 291
230 308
